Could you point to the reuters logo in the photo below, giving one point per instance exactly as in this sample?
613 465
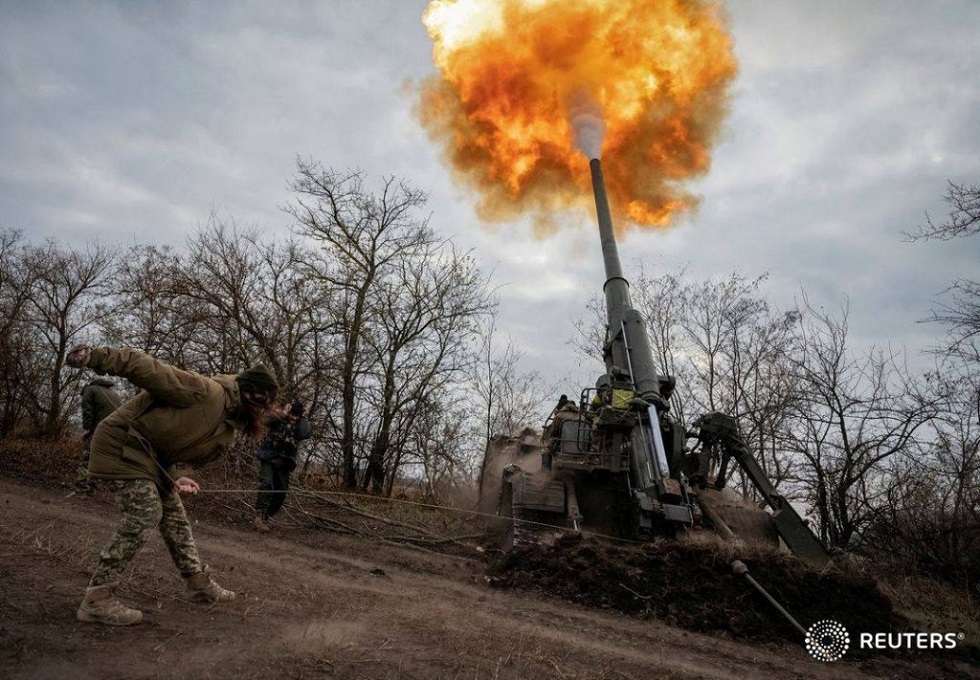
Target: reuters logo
827 640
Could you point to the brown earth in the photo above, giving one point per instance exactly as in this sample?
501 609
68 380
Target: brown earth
318 603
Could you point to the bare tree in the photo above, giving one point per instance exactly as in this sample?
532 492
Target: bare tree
226 286
441 441
67 298
363 236
930 521
960 312
154 317
232 298
428 305
247 300
963 218
857 411
764 389
510 399
20 368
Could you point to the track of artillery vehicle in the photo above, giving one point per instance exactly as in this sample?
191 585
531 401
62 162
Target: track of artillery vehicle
615 463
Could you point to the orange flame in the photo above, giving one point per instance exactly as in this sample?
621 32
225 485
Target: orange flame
513 74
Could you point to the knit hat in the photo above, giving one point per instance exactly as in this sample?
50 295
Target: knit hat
257 378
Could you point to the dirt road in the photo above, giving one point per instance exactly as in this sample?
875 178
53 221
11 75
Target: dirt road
317 604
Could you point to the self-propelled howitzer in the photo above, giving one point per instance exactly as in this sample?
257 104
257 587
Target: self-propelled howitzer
616 463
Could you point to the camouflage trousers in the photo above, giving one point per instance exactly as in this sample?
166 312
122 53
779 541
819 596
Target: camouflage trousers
83 480
144 509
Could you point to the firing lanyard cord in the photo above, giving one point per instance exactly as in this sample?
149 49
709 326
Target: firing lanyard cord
432 506
348 495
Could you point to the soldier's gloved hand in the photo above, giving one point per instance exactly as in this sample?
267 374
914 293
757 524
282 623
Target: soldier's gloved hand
79 356
186 485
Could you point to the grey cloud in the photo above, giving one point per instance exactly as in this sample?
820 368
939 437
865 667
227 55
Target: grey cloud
123 121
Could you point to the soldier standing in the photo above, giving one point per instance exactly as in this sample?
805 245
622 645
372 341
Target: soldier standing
277 460
98 401
179 419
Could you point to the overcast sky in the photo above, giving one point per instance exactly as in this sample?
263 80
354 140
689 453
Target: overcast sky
133 121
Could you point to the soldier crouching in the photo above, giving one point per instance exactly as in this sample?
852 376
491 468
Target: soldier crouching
179 419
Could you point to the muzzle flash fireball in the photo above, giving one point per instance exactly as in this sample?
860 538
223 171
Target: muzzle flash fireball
512 73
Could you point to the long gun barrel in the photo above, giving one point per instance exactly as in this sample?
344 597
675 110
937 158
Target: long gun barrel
628 349
627 344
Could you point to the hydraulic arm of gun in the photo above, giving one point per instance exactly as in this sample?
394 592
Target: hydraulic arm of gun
718 430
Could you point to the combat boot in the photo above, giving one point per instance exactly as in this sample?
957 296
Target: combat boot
203 588
261 524
100 606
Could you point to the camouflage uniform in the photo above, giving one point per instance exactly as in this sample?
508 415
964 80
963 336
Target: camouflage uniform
178 419
143 508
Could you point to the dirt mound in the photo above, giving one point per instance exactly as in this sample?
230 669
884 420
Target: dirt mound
693 586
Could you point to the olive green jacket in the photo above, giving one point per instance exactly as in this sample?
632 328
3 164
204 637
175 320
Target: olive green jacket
179 419
98 401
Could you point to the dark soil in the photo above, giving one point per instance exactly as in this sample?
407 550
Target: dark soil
693 586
